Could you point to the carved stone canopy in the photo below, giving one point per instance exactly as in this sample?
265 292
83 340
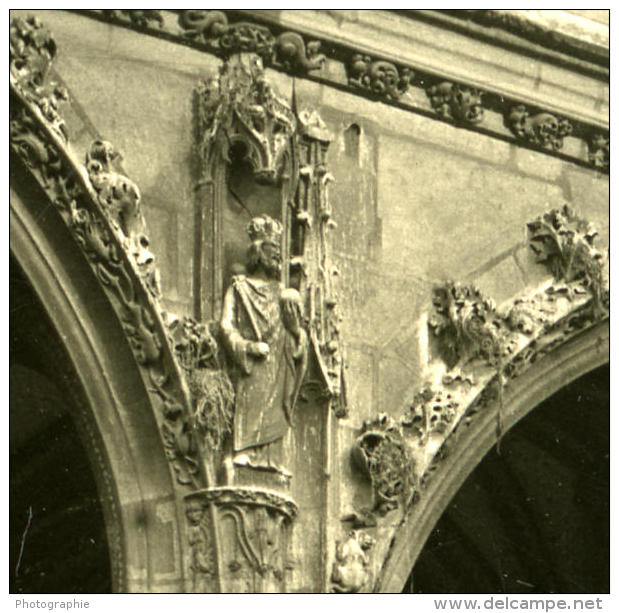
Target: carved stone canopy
241 108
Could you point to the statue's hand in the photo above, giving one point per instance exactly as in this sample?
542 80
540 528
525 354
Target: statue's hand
259 350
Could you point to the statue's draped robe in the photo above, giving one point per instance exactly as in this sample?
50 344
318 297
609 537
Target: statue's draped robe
266 387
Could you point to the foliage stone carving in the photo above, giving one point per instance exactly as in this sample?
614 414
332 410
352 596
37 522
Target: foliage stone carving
464 323
599 151
141 18
32 49
563 242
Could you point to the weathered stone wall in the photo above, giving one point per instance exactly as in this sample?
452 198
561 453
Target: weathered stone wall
417 201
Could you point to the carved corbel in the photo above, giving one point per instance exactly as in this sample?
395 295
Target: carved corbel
457 102
599 151
351 568
378 76
542 129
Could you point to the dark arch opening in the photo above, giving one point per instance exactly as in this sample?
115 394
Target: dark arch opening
57 535
534 519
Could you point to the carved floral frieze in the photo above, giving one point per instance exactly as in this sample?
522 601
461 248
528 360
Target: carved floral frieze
141 18
288 50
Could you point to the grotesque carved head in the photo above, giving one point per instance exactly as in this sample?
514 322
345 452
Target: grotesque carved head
547 127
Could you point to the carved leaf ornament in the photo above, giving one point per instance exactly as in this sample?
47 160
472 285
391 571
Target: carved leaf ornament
563 241
599 151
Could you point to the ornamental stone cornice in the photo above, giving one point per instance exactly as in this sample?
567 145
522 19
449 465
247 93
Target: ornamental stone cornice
550 107
561 37
453 56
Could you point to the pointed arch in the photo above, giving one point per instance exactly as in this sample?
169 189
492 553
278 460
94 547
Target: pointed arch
566 362
117 420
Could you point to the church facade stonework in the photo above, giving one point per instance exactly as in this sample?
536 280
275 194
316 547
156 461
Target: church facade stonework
333 281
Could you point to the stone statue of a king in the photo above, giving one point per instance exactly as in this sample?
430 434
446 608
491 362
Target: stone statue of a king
261 324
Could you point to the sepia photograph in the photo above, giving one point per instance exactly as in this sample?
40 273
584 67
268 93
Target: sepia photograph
310 301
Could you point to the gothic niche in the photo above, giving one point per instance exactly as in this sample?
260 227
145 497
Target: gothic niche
262 357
